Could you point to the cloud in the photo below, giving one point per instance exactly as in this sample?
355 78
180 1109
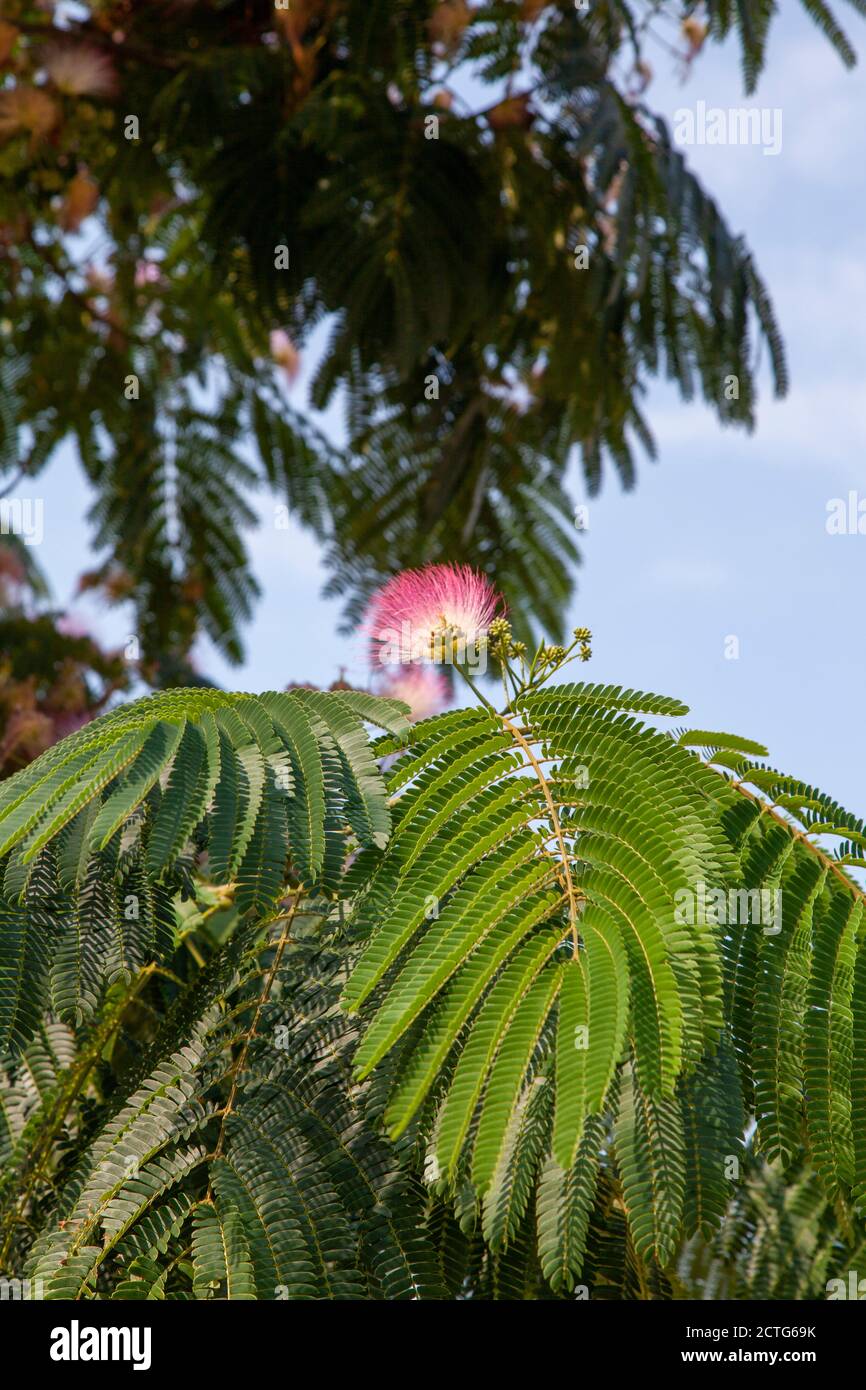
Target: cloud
820 427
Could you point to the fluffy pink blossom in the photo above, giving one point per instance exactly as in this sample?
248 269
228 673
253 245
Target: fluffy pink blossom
422 688
71 626
78 70
27 109
147 273
70 721
285 354
423 615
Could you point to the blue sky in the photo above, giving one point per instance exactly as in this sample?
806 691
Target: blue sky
726 534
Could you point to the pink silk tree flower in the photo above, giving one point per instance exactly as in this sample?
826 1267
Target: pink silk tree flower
147 273
71 626
285 354
431 614
27 110
422 688
70 721
80 70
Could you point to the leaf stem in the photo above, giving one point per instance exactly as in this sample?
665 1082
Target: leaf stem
557 829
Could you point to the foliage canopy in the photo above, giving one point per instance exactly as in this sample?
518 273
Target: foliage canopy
183 180
567 1060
